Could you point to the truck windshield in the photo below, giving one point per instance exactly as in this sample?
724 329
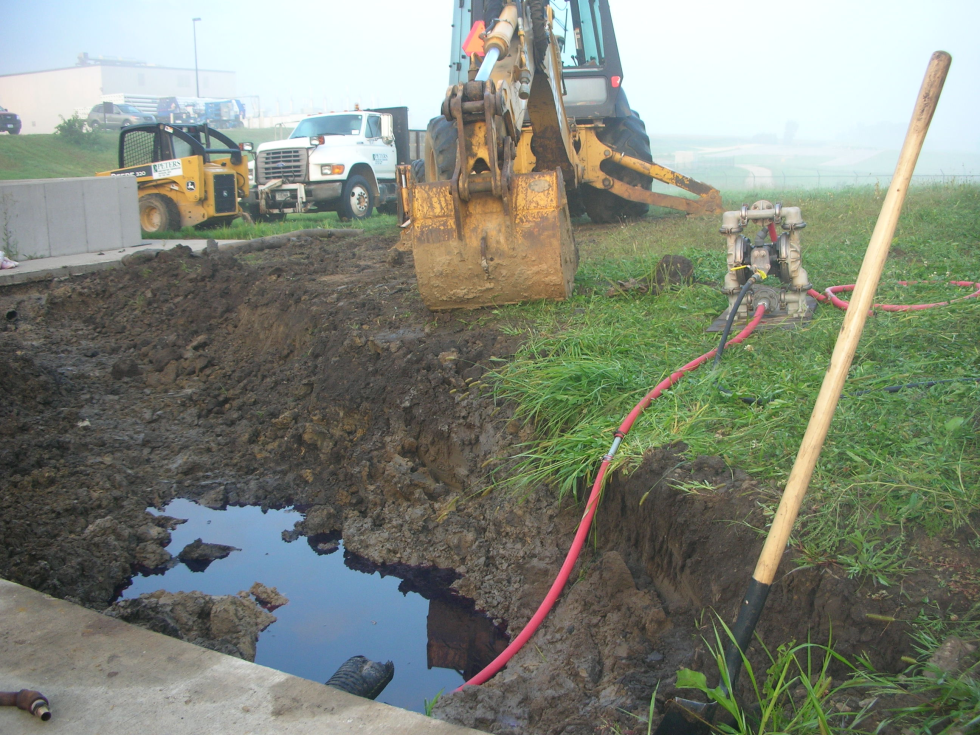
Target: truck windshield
333 125
578 26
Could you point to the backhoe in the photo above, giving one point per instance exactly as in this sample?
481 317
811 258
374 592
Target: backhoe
535 127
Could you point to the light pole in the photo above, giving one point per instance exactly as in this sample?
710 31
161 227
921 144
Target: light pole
197 81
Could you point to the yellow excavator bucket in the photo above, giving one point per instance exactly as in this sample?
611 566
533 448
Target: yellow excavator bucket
490 250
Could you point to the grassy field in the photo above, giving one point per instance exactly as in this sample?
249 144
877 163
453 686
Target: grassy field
894 464
893 461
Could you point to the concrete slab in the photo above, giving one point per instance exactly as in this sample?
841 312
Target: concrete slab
22 225
105 677
46 269
53 217
104 215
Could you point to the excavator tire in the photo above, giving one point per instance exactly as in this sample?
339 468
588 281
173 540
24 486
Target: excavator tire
626 135
441 145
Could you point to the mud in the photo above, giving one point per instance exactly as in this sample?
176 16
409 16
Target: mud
226 623
313 377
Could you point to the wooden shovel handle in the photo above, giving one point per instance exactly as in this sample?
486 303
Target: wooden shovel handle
857 314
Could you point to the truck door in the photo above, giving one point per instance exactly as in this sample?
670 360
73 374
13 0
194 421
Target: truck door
381 154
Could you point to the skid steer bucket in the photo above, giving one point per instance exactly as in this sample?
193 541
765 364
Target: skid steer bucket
491 249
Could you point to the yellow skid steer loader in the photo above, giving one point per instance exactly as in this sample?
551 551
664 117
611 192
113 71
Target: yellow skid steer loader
187 175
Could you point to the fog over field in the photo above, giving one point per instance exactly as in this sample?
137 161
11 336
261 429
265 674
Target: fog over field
838 71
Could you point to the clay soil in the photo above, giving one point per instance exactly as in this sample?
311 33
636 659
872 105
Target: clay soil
312 376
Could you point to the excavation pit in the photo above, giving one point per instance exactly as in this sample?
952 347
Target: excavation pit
312 377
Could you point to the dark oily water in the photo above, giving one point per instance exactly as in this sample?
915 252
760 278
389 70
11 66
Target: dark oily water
340 605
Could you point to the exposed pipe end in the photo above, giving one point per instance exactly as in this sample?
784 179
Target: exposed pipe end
28 700
40 709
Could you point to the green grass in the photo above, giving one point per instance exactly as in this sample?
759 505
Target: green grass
796 693
379 224
891 462
51 156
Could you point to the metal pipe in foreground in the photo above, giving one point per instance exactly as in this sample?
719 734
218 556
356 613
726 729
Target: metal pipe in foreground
29 701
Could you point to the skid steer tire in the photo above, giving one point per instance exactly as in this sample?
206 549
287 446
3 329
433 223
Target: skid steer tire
418 170
158 213
441 144
626 135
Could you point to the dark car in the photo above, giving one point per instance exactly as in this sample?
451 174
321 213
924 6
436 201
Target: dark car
109 115
9 122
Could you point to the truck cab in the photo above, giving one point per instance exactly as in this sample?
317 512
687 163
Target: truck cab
341 161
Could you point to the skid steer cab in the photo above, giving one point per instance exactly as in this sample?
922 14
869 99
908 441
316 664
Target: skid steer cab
187 175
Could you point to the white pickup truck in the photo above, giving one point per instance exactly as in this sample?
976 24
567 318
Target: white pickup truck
342 162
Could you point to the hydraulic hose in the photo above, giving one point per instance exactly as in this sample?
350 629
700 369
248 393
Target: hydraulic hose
590 507
732 313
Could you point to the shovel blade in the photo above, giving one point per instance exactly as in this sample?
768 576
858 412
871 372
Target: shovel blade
686 717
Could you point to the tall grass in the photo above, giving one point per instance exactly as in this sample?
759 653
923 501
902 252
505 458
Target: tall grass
892 461
239 229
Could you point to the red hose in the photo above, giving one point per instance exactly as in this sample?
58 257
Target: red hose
841 304
585 524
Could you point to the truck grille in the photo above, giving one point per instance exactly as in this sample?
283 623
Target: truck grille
285 163
225 196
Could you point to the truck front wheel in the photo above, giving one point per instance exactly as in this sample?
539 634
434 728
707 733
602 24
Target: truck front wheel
357 199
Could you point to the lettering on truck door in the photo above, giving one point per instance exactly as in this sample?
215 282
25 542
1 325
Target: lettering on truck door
381 155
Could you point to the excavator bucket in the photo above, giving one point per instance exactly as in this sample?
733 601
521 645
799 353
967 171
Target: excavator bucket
490 250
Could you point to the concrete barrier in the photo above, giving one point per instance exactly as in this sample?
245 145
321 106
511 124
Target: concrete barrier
44 218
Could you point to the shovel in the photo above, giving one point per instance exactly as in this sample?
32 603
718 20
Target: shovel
685 717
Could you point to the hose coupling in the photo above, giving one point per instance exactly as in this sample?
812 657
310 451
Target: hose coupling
29 701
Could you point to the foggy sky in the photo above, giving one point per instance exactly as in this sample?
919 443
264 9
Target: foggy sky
701 67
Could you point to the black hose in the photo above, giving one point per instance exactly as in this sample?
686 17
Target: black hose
921 384
732 313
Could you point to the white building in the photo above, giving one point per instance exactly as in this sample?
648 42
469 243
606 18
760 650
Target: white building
41 98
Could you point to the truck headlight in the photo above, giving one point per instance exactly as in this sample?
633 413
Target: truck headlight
331 169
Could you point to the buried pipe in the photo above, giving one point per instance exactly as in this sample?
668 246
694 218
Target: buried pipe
586 523
29 701
362 677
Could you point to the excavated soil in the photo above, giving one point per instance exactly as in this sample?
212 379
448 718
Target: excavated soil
312 376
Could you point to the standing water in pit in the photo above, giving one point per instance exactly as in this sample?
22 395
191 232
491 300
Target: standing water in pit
434 638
